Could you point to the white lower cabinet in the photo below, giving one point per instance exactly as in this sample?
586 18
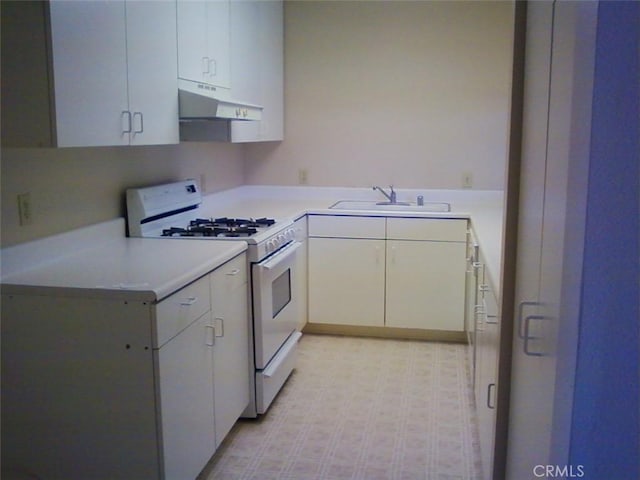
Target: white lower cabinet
392 272
471 296
301 232
346 281
425 285
486 346
186 401
426 273
230 321
132 389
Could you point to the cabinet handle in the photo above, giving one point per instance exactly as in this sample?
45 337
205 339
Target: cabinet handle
491 386
213 67
393 255
219 321
484 287
233 272
139 115
521 308
125 116
189 301
527 337
205 65
211 336
493 322
377 251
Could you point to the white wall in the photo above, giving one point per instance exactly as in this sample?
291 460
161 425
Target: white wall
74 187
409 93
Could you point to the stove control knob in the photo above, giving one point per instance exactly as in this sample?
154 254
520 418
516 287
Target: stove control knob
270 246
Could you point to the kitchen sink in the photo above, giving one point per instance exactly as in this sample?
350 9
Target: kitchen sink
391 207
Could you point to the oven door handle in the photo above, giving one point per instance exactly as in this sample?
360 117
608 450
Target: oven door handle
280 256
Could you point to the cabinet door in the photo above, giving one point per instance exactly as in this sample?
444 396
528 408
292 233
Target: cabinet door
185 364
473 277
152 72
192 40
302 290
203 41
219 69
257 67
229 295
425 285
485 385
346 281
90 73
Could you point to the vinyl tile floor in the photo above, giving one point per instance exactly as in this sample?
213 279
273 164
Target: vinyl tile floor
361 408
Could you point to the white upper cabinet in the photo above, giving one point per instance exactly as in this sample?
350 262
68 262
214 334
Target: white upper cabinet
152 72
257 68
249 64
110 77
90 73
203 41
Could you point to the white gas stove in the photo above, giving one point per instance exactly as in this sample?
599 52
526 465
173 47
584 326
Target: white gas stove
175 210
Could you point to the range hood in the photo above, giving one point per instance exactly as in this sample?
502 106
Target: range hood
200 101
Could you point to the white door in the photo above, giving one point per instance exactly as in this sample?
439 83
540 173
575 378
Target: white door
346 281
185 364
229 297
90 73
192 40
275 305
425 285
218 47
555 76
152 72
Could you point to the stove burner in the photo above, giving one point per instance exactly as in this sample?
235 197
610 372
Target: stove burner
219 227
233 222
208 231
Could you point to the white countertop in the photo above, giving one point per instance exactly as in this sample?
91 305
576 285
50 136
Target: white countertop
484 208
100 261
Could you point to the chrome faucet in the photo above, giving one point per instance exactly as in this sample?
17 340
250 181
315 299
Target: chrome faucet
391 196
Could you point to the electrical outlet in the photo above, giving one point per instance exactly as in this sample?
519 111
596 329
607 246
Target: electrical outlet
303 176
467 180
24 209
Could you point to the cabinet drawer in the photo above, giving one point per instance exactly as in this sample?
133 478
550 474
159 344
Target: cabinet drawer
231 274
178 311
439 229
346 226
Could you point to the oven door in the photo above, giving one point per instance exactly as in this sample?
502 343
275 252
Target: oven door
274 303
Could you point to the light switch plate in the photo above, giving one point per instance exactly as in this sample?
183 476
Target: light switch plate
467 180
24 209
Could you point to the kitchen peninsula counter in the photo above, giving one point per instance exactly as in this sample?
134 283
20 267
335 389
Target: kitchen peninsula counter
101 262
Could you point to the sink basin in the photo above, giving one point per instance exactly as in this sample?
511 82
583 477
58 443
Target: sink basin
391 207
